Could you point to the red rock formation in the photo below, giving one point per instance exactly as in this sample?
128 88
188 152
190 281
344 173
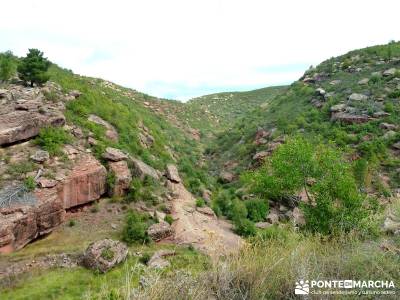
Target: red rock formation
20 225
123 177
85 183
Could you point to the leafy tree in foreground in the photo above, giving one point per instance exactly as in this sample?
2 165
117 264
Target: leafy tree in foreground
334 203
7 66
33 68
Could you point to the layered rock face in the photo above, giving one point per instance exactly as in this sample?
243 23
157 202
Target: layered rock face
21 224
24 111
85 183
123 178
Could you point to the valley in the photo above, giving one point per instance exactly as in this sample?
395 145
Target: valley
233 195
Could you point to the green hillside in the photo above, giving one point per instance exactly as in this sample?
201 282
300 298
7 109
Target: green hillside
217 112
365 128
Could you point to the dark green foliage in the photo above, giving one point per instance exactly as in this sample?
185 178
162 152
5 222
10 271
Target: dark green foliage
144 259
334 202
135 229
274 233
7 66
169 219
244 227
257 209
71 223
110 181
33 68
52 139
200 202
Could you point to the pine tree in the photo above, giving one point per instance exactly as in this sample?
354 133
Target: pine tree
33 68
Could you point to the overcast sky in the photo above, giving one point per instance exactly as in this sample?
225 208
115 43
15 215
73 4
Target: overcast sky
184 48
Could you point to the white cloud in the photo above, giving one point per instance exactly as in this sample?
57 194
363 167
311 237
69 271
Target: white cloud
170 48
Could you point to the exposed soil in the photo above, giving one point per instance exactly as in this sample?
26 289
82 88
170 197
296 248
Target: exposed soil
205 232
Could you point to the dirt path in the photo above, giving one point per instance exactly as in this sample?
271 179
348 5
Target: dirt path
204 231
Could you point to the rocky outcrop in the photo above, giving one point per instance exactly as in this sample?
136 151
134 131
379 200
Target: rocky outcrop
158 261
141 170
358 97
85 183
226 177
24 112
114 154
21 125
159 231
348 118
40 156
172 174
104 254
111 133
21 224
122 178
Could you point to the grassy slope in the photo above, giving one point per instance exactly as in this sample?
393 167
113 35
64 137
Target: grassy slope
124 109
216 112
292 112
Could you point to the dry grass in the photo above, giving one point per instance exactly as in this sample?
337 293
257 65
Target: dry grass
268 270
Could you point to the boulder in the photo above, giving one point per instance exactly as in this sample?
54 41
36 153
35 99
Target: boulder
380 114
21 224
273 217
358 97
392 224
338 107
123 178
396 146
146 140
206 195
172 173
47 183
85 183
389 134
363 81
206 211
263 225
347 118
141 170
114 154
159 231
320 91
298 217
389 72
111 133
20 125
260 156
157 261
75 93
104 255
261 136
40 156
387 126
335 82
226 177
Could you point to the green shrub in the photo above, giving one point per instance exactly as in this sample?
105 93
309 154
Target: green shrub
95 208
71 223
200 202
30 183
33 68
334 203
7 66
244 227
257 209
135 229
52 139
169 219
237 210
144 259
20 169
274 233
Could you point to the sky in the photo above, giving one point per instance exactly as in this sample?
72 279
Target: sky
179 49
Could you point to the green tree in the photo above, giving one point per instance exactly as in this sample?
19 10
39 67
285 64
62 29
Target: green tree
333 204
33 68
7 66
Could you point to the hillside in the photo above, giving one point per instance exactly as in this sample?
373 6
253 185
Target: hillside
351 100
217 112
109 193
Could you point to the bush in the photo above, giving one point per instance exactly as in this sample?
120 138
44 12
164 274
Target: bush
334 203
135 229
169 219
257 209
71 223
7 66
52 139
200 202
237 210
30 183
244 227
